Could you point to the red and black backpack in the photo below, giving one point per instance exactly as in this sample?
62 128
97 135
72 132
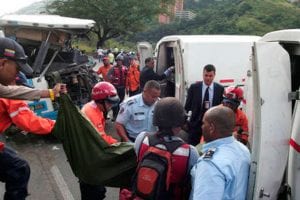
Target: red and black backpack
154 177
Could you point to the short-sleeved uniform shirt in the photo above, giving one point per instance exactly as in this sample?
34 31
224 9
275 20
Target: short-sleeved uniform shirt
136 116
222 171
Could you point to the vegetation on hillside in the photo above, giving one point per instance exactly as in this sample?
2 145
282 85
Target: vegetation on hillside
130 21
246 17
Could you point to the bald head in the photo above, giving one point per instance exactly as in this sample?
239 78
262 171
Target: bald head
218 122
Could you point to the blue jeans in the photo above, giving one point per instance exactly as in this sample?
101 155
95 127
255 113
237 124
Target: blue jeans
14 172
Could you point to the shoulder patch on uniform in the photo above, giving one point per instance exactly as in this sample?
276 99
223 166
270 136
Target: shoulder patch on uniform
209 153
130 102
121 110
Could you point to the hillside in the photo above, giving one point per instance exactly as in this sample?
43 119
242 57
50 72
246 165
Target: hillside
246 17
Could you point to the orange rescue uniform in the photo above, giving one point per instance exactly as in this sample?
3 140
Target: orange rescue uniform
241 123
103 70
133 78
17 112
95 115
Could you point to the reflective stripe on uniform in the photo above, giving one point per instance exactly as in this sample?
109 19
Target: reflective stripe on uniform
13 114
180 151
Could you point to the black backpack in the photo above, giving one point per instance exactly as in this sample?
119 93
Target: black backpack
153 174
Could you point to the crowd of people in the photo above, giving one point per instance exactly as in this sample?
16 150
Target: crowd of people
219 171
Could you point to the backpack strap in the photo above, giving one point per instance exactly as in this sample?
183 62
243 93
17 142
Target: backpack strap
171 145
186 185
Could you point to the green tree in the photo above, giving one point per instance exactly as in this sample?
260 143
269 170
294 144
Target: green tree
113 18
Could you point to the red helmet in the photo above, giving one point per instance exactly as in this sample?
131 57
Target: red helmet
105 91
234 95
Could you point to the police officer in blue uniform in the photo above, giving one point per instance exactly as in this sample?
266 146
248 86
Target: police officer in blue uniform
223 169
136 113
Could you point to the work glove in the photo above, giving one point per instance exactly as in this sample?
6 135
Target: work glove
169 71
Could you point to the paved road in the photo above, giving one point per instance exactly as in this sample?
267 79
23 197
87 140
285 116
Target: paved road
51 176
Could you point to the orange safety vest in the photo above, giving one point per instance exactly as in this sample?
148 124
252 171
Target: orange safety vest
17 112
104 70
95 115
133 78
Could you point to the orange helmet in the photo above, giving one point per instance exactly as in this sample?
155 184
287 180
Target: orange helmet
105 91
233 95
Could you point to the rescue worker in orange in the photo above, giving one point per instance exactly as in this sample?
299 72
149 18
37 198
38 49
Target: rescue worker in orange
232 98
117 76
133 77
104 97
17 112
103 70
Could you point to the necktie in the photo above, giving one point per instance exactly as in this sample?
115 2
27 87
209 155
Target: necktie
206 104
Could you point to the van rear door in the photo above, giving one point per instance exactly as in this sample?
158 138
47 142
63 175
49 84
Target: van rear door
145 50
170 54
269 112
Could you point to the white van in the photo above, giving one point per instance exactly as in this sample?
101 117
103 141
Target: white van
274 115
189 54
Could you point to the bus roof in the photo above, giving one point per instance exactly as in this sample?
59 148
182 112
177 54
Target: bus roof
46 21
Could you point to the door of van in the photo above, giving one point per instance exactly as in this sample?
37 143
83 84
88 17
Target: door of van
294 153
169 54
269 112
145 50
180 92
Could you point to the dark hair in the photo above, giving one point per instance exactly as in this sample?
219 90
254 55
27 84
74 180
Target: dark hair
148 59
152 84
168 113
209 68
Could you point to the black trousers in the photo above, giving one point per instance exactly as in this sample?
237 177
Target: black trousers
195 133
121 94
91 192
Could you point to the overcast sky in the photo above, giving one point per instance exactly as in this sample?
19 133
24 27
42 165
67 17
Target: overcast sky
10 6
